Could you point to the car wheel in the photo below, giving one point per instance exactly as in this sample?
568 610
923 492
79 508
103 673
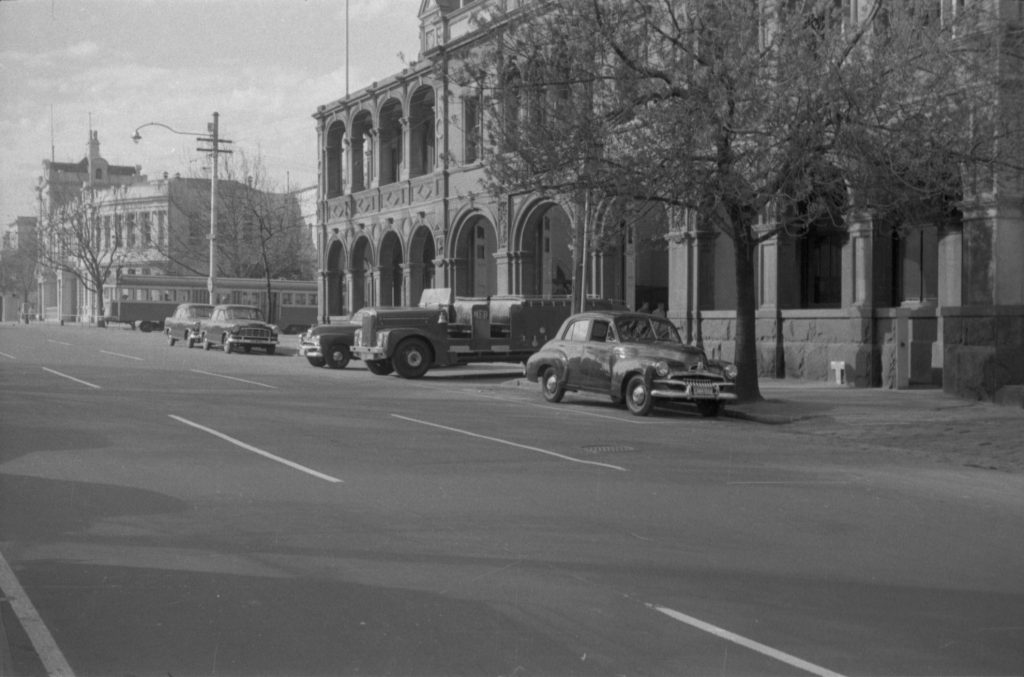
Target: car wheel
709 409
146 326
638 396
171 340
337 357
271 350
412 358
550 387
191 341
227 347
206 343
316 361
380 367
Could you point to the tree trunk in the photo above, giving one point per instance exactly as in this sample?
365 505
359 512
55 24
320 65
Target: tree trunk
744 249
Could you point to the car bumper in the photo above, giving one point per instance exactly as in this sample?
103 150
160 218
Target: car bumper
692 392
369 353
251 341
310 350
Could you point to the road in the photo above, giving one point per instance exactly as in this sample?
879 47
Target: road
167 511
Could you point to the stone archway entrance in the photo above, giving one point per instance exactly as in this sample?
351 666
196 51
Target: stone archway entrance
334 283
475 268
421 263
361 290
391 274
545 243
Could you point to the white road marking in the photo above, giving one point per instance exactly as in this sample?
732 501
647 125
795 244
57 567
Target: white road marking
747 643
9 357
42 641
63 343
511 444
234 378
129 357
255 450
72 378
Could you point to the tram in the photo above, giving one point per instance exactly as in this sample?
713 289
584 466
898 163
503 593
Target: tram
144 301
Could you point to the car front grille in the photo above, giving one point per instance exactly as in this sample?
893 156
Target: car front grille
255 333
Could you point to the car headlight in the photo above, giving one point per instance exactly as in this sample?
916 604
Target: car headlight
730 371
661 369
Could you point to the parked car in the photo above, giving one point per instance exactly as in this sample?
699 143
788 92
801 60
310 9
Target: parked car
330 345
235 326
184 323
634 358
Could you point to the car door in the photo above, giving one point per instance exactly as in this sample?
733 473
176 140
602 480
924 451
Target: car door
596 358
573 345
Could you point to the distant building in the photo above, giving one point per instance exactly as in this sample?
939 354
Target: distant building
402 207
158 227
62 183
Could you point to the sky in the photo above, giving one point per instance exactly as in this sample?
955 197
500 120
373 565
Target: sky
264 65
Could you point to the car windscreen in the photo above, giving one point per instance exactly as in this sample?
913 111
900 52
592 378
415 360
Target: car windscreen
243 314
646 329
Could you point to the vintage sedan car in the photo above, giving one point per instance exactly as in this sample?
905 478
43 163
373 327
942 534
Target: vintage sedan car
632 357
184 323
238 327
330 345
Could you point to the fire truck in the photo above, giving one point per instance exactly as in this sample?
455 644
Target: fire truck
445 330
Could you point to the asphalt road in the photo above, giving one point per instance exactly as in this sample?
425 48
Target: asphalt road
167 511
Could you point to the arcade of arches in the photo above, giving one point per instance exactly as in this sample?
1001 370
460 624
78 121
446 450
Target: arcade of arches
628 263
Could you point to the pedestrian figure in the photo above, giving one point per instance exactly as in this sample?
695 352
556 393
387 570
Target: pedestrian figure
660 310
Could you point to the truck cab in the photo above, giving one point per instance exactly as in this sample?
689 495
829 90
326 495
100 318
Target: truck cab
445 330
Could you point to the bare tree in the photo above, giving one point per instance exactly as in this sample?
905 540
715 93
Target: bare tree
73 238
758 117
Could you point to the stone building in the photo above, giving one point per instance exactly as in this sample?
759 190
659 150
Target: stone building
401 208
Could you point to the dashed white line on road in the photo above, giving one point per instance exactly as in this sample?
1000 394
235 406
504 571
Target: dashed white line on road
256 450
129 357
72 378
42 641
63 343
9 357
746 643
509 443
234 378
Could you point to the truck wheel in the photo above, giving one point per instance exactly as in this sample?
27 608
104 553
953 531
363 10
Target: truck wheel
412 358
709 409
380 367
638 396
337 357
549 386
146 326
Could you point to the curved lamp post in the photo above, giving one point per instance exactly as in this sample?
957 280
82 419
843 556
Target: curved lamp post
212 138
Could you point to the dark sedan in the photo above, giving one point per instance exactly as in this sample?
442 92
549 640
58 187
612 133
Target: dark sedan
330 345
634 358
236 327
184 323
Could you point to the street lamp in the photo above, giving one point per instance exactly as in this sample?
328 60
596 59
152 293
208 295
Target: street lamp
212 137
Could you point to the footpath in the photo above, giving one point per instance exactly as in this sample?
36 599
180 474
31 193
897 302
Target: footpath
925 422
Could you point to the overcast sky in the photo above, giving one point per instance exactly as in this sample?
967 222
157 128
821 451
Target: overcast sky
264 65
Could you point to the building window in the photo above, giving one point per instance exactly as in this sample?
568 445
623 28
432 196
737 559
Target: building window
821 267
471 129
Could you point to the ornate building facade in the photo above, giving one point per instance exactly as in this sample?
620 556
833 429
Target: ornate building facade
401 207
